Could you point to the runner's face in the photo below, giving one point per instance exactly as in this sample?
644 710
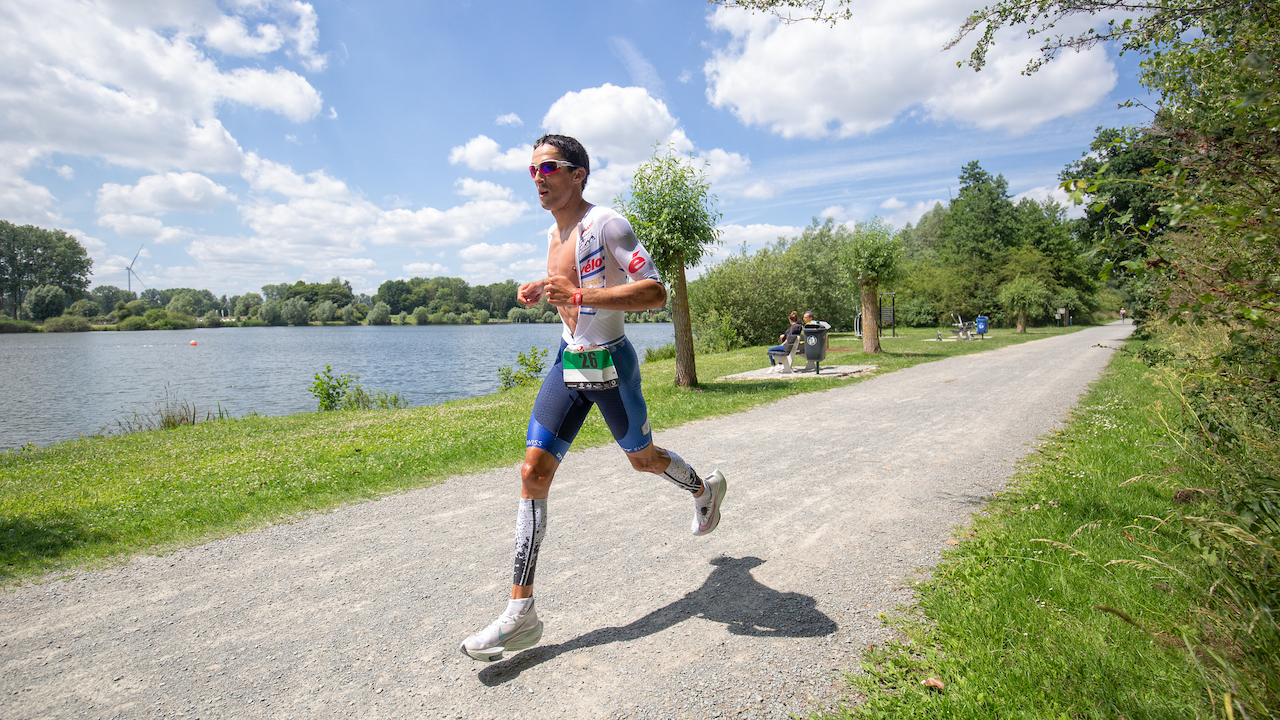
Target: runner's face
557 189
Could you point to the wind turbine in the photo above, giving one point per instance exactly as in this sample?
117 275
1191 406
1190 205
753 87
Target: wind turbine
130 274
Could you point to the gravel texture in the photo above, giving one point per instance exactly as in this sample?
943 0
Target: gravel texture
838 502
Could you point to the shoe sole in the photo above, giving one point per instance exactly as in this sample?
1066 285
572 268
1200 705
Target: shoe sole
523 641
715 509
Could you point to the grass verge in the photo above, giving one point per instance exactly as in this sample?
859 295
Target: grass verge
104 498
1072 596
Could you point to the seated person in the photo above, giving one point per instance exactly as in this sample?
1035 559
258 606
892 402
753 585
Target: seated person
785 338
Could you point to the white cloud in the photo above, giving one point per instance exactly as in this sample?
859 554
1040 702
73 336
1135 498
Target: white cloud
616 123
484 153
427 270
496 253
642 72
836 212
910 212
491 272
735 238
722 164
760 190
276 177
509 119
814 80
142 227
131 83
66 172
1052 192
159 193
893 203
229 35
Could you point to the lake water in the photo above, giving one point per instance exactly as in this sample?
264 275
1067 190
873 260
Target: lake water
59 386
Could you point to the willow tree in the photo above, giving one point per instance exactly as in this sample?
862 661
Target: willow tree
1024 296
672 211
872 259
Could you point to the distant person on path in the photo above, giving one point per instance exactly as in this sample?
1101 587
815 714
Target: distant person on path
785 339
1122 314
591 252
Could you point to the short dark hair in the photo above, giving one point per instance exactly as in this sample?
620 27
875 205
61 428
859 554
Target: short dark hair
570 149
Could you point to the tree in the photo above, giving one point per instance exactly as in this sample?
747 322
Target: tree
246 303
269 313
84 307
421 316
295 311
674 214
1024 296
380 314
31 257
276 293
325 311
183 304
45 302
872 258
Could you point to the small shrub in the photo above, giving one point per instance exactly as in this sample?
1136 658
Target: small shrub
66 323
329 390
450 318
531 365
482 317
357 398
666 352
8 325
45 302
402 318
421 316
134 323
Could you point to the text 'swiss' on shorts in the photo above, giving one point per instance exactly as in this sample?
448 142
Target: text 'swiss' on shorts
559 412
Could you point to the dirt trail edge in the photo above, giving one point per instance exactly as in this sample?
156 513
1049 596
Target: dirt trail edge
837 501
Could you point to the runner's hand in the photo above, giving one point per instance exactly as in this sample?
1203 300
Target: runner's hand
530 293
559 290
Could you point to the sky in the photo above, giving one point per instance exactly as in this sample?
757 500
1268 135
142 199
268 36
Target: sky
231 144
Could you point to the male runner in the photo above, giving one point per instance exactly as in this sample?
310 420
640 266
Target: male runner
591 252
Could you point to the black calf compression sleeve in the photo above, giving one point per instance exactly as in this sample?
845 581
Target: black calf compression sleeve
531 525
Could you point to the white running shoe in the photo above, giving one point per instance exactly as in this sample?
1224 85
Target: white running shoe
504 634
706 513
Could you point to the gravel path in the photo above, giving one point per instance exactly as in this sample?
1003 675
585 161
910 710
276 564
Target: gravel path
837 502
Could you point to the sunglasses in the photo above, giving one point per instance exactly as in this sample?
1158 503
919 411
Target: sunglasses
550 167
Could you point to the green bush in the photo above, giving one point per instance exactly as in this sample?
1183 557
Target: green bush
357 398
84 307
530 364
9 325
666 352
329 390
45 302
421 316
482 317
918 311
66 323
134 323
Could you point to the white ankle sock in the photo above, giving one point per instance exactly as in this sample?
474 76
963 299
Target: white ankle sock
516 608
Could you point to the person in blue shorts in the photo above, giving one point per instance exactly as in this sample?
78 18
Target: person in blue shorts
596 270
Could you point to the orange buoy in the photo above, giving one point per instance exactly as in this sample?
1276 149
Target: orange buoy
193 342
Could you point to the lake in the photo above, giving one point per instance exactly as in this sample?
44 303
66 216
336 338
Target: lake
59 386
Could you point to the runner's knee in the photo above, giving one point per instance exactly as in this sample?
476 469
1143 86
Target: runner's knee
536 473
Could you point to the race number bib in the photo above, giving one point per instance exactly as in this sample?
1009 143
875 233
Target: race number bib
589 368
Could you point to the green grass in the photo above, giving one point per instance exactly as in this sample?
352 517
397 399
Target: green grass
104 498
1012 620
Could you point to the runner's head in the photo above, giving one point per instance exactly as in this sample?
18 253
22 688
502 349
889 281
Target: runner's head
568 149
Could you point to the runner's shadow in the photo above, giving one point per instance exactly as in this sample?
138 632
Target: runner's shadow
730 596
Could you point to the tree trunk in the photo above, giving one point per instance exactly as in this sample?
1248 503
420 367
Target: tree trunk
871 318
1022 320
686 371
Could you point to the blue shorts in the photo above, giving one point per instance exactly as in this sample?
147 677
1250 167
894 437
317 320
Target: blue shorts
559 412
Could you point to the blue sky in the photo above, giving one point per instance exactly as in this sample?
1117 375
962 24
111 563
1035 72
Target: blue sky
247 142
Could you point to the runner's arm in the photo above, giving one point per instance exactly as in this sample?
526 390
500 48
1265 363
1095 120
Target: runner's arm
632 297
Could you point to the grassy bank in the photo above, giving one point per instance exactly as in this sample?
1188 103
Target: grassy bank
103 498
1071 597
